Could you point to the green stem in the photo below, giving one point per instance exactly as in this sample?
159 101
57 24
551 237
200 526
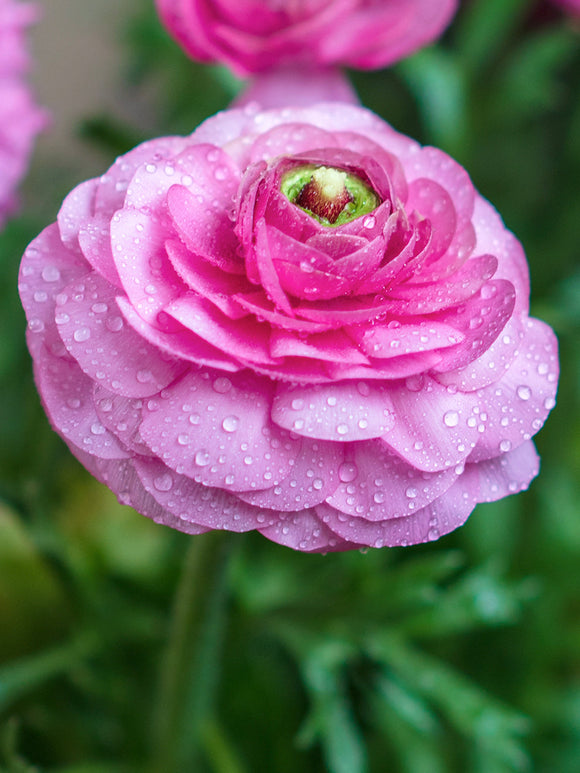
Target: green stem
190 670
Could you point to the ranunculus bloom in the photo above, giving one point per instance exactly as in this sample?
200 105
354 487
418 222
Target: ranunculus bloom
296 321
254 36
20 118
573 6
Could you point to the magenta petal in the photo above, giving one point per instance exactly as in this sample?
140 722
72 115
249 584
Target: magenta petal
395 368
205 169
245 339
178 342
340 412
434 427
333 346
108 350
313 477
481 319
205 229
67 395
305 531
490 365
217 430
517 405
400 338
434 203
434 164
289 139
138 242
257 303
207 280
377 485
191 502
409 299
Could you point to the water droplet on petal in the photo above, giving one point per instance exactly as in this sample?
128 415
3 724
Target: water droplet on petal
201 458
163 482
451 419
230 423
524 392
347 472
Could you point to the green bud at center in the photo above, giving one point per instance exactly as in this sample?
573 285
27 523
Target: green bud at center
331 196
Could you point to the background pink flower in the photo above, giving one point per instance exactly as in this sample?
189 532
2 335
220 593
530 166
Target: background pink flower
251 36
20 118
570 5
295 321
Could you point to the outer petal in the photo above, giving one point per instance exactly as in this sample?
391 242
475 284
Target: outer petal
109 351
217 430
339 412
432 428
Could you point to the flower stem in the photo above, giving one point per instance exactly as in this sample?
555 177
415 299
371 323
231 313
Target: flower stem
190 670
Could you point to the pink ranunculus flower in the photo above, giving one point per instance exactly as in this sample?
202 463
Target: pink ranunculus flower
296 321
252 36
20 118
573 6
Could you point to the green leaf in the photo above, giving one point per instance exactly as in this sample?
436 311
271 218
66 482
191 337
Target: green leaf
331 720
437 82
494 729
484 28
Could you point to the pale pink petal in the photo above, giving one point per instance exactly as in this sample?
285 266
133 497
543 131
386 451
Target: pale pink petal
313 478
217 430
138 243
517 406
67 396
434 427
109 351
305 531
193 503
378 485
340 412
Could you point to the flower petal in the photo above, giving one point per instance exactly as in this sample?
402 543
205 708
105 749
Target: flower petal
217 430
340 412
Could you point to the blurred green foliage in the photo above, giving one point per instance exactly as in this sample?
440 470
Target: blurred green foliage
462 655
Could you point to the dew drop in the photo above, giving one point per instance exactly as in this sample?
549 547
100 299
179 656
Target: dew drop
222 385
163 482
505 446
524 392
201 458
230 423
144 376
82 334
347 472
451 419
342 429
50 274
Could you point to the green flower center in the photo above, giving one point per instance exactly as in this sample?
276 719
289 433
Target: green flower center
331 196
